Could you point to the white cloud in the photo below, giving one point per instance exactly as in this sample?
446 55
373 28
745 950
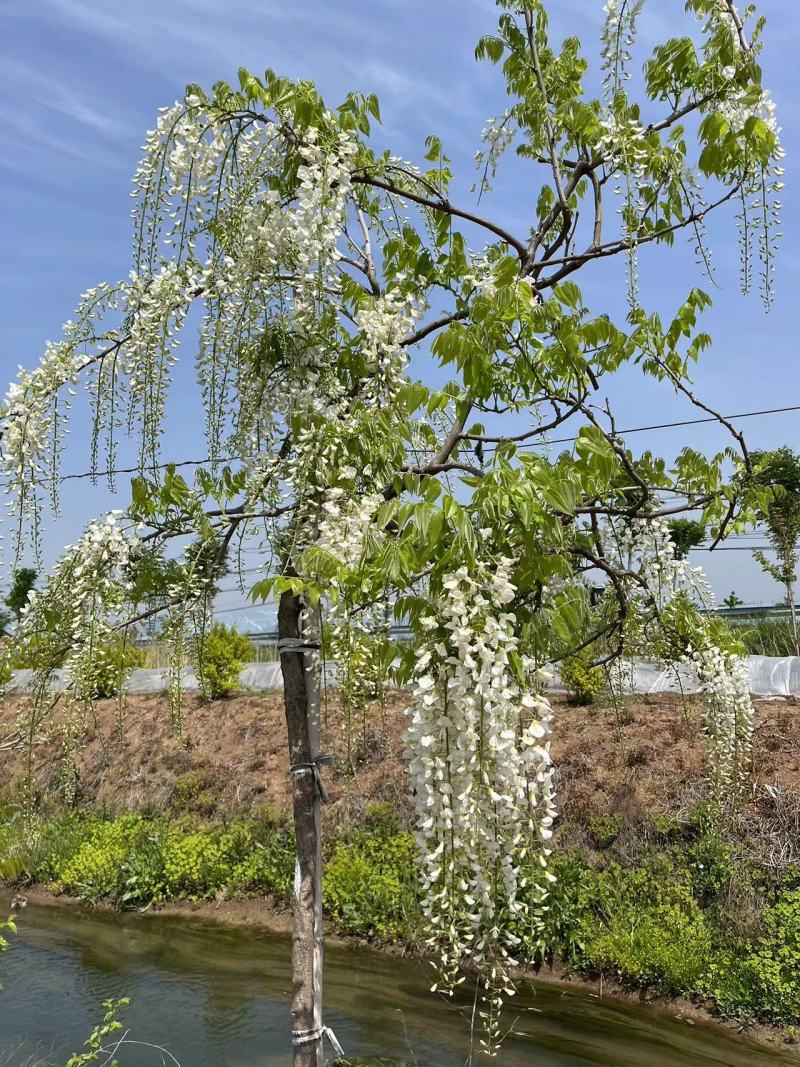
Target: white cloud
26 83
66 103
25 135
47 120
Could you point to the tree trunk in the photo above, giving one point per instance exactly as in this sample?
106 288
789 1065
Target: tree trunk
300 668
793 616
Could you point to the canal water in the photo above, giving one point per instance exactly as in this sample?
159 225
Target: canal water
218 997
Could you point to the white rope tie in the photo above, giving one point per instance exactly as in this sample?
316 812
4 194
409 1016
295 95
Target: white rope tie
305 1037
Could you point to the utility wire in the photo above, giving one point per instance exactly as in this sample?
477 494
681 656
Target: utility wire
659 426
488 448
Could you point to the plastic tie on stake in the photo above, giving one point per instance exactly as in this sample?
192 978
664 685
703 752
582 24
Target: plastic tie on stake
298 644
305 1037
314 768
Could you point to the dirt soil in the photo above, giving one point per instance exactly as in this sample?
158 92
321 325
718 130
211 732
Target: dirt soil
231 754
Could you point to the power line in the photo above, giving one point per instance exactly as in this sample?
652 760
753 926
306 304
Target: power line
138 470
736 548
664 426
489 448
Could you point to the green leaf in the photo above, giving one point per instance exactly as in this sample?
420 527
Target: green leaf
491 48
262 590
434 146
561 495
569 295
373 106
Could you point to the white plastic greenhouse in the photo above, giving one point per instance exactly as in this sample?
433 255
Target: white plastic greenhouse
769 676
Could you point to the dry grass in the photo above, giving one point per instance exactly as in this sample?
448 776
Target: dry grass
649 760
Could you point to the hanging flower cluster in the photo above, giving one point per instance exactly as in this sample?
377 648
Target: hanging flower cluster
197 144
481 278
185 625
156 309
195 165
324 183
481 772
497 135
287 250
357 638
655 578
623 136
343 523
645 548
75 613
36 405
738 107
618 38
623 142
71 623
724 684
384 322
357 641
649 170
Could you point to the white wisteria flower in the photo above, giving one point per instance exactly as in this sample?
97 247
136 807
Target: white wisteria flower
482 775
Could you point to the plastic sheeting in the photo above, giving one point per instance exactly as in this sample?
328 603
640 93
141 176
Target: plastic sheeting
769 676
261 677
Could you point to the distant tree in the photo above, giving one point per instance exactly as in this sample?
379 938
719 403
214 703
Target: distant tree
23 581
732 600
780 472
686 535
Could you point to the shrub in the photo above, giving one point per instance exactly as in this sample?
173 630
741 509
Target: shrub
763 979
142 878
132 860
243 856
640 923
97 869
266 863
194 864
370 888
224 652
380 820
48 851
571 903
114 663
711 861
667 828
667 945
604 829
194 791
583 683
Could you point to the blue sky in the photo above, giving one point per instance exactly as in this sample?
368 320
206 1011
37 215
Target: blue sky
82 80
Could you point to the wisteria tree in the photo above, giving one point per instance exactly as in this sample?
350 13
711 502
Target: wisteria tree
317 267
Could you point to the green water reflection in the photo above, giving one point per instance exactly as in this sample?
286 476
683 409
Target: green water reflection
218 997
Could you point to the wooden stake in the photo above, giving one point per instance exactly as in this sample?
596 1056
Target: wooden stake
298 628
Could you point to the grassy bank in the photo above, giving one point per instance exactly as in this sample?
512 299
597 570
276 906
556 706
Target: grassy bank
650 891
690 916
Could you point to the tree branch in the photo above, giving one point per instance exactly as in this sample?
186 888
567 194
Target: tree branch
444 206
612 248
